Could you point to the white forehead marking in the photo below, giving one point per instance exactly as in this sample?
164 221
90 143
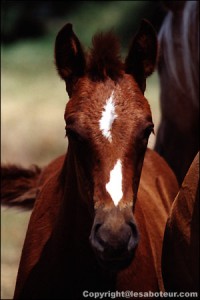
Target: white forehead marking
107 118
114 186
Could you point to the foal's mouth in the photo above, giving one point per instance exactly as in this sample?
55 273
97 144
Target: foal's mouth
115 262
115 259
114 237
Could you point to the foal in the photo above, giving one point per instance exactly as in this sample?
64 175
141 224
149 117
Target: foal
87 231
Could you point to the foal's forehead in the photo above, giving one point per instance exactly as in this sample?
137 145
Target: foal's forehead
124 96
108 112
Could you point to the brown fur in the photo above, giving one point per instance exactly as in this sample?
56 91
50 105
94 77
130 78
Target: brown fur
177 139
180 258
155 196
104 57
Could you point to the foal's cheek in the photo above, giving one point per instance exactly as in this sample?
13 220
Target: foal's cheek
137 163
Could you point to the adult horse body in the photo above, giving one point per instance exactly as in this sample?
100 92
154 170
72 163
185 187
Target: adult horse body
178 67
180 256
87 232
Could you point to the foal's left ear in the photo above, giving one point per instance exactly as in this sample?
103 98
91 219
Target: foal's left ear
141 59
69 57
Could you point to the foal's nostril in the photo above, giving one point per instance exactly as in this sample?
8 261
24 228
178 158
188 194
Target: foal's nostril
98 235
134 229
134 238
95 238
96 228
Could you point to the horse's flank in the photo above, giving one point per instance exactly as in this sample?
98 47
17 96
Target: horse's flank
178 67
180 258
180 30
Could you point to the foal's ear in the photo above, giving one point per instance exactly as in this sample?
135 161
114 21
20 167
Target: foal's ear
141 59
69 57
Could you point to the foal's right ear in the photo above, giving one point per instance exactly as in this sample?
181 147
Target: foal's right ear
69 57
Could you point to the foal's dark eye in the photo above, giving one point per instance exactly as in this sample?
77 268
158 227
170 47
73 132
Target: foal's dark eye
73 134
148 131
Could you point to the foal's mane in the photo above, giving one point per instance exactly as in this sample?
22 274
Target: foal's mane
104 57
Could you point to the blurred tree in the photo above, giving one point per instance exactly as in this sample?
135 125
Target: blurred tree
23 19
150 10
28 19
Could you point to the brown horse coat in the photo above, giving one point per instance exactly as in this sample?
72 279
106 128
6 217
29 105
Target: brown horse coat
157 190
177 139
180 260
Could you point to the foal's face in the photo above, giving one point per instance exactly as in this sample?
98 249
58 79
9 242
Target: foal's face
108 122
108 125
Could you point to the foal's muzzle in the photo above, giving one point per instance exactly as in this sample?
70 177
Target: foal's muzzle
114 237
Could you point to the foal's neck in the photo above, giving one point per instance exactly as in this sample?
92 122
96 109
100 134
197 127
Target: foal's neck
77 200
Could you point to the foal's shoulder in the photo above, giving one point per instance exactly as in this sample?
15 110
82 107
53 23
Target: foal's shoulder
158 165
51 169
41 225
158 178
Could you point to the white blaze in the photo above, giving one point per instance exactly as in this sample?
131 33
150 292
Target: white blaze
107 118
114 186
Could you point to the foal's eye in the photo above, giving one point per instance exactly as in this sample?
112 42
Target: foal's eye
73 134
148 130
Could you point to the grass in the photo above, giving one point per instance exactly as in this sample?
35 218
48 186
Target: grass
33 103
32 128
13 227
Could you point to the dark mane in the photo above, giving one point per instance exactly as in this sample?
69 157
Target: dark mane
104 57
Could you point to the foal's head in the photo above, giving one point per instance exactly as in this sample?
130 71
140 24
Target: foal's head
108 122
